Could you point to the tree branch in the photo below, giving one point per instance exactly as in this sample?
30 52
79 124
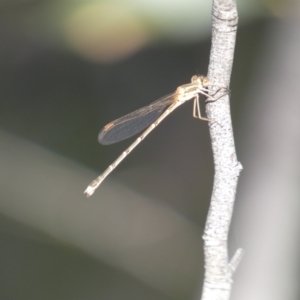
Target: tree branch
218 271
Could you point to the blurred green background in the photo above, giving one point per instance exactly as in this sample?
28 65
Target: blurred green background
70 67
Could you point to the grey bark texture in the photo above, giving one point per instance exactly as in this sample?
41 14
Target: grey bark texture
218 271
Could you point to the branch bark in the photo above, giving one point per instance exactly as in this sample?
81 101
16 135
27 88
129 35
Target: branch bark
218 271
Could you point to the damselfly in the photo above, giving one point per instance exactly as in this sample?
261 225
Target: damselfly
153 114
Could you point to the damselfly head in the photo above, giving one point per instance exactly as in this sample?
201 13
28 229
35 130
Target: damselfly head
202 80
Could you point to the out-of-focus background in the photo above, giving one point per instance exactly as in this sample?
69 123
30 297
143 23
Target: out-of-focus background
70 67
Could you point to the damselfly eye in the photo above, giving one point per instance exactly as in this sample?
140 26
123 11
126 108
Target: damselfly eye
205 81
194 78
